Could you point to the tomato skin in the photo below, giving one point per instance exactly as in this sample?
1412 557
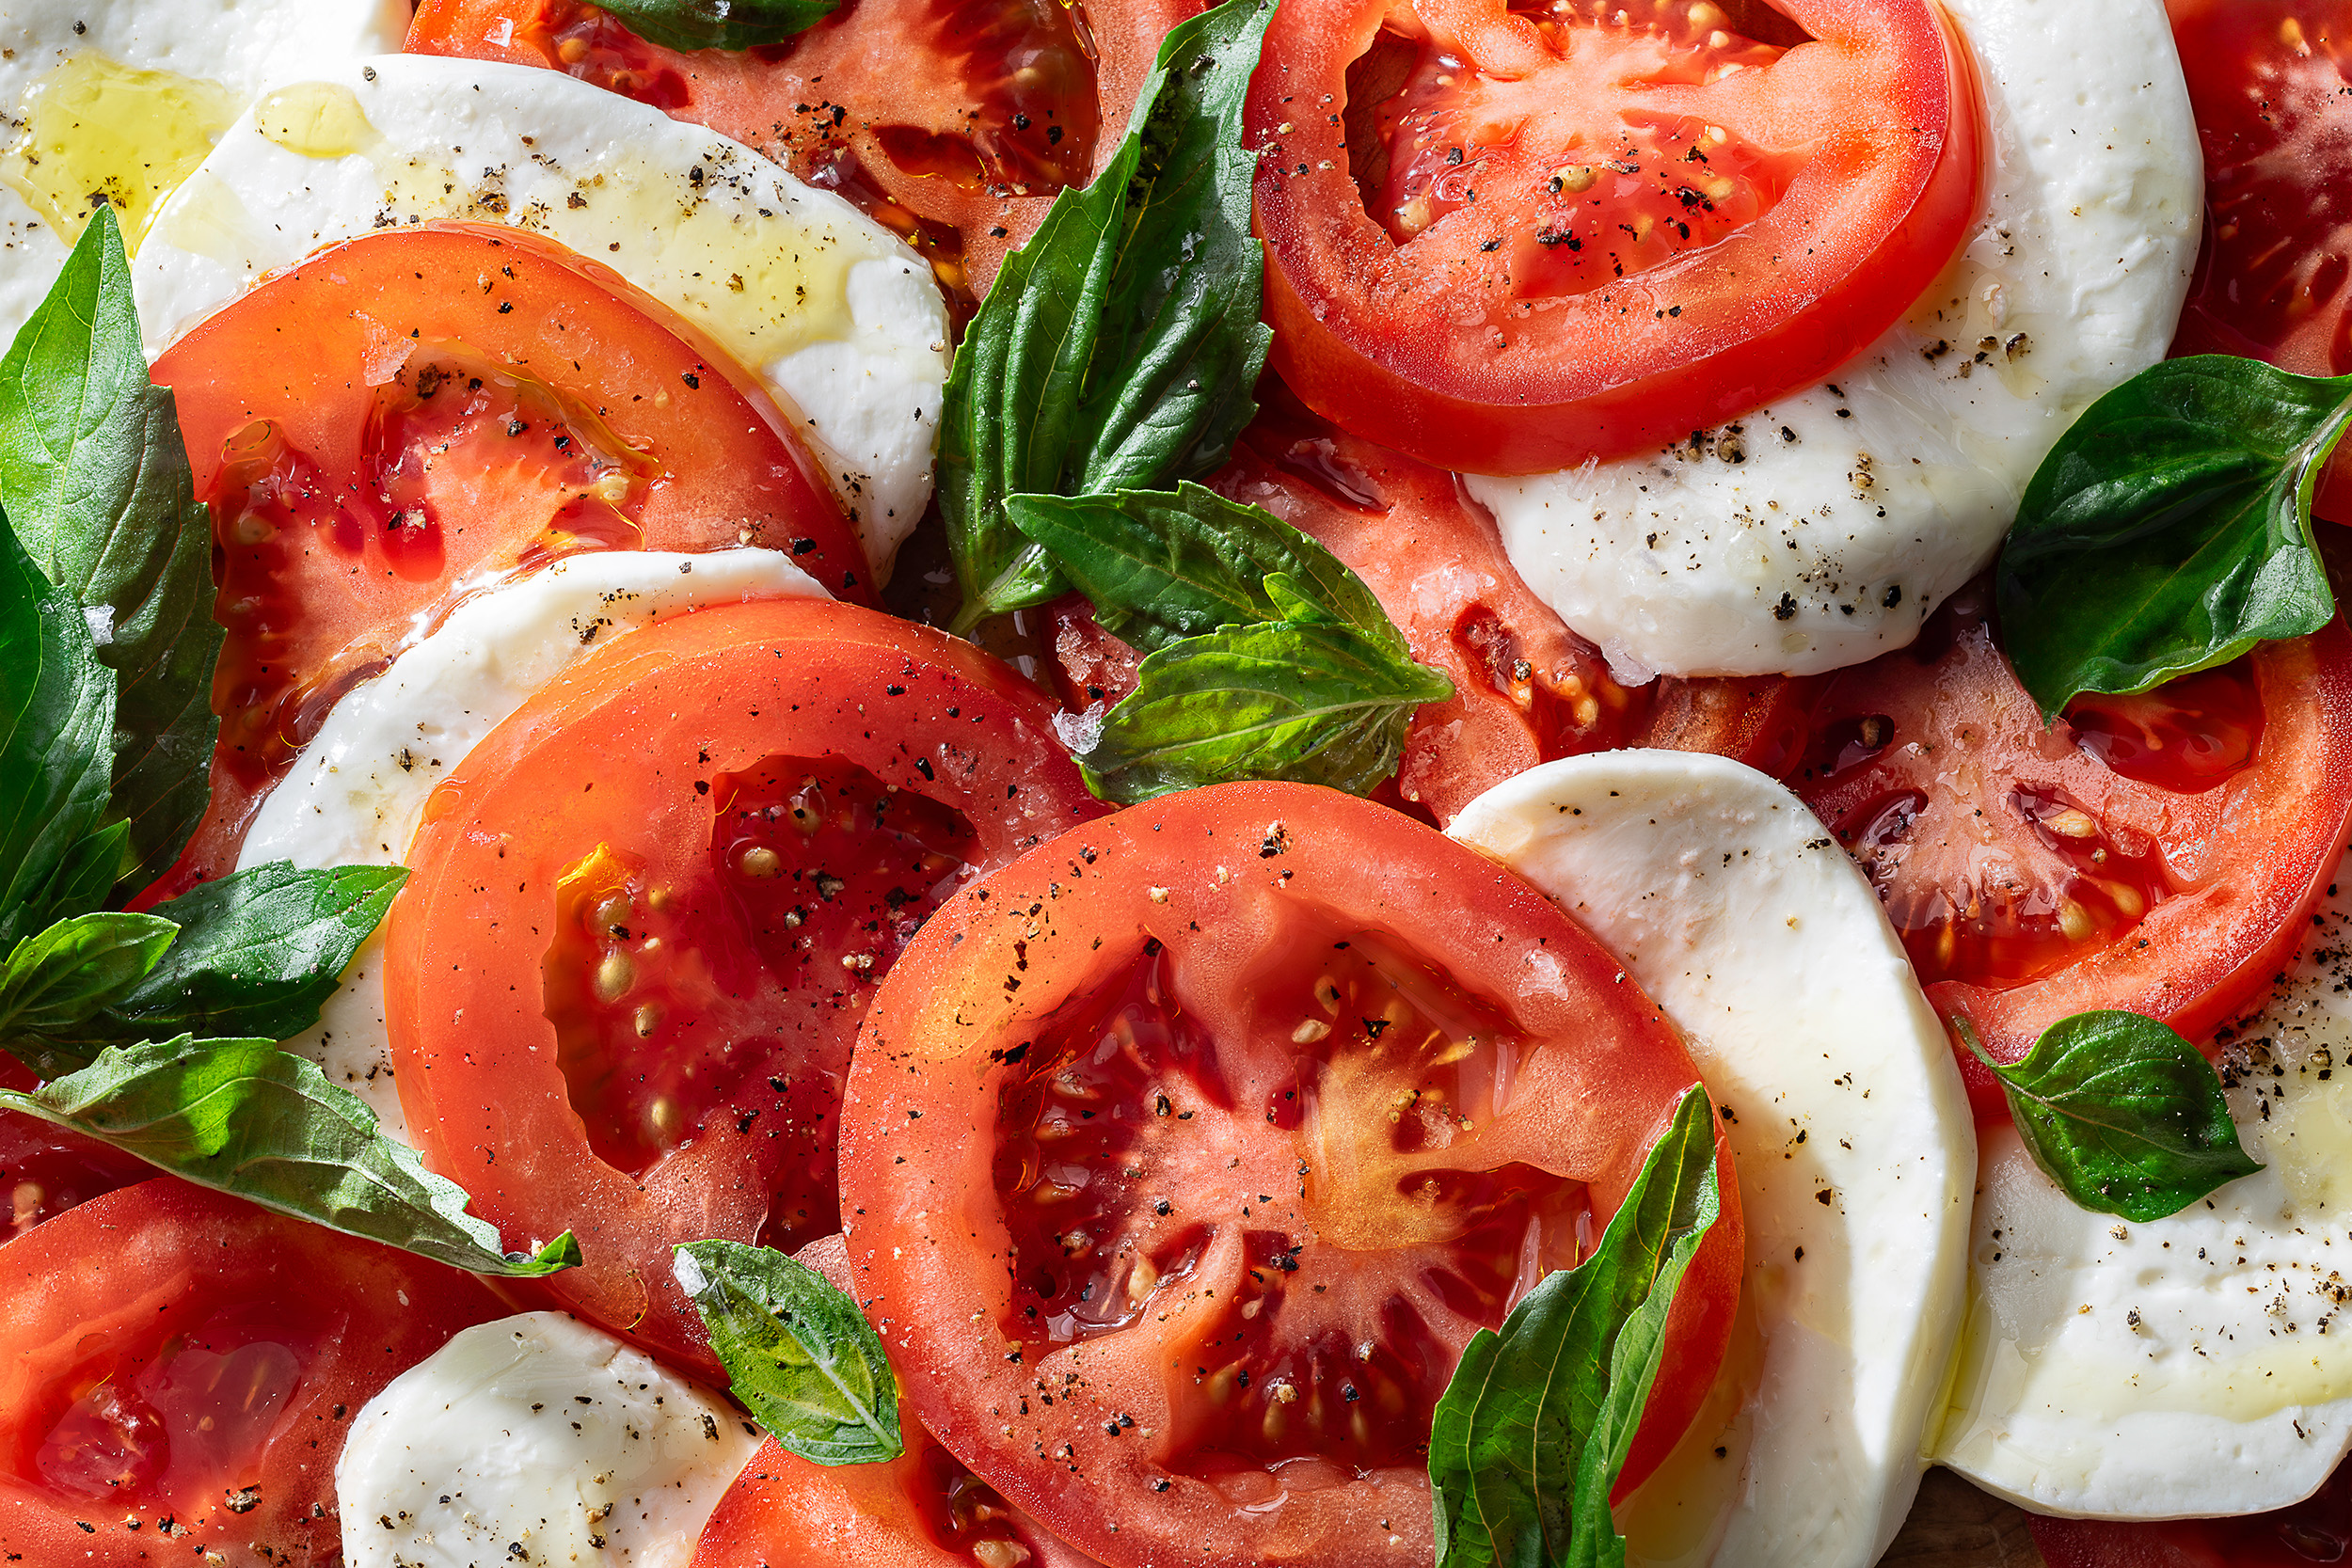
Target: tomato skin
627 753
114 1288
952 122
1435 348
1144 1470
323 579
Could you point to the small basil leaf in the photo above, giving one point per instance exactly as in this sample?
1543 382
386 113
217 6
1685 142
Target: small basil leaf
1536 1423
57 978
57 759
247 1119
1118 348
2171 528
1317 703
798 1352
94 475
734 25
2121 1113
1162 566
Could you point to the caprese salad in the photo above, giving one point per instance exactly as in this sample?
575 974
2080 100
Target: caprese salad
1004 782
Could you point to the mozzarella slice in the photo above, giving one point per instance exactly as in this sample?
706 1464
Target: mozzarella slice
536 1439
127 96
1735 910
1822 530
2196 1365
843 322
356 792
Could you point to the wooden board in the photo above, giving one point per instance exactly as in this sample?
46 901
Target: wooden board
1955 1526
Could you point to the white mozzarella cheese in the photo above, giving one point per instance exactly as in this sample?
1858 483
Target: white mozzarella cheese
540 1434
842 321
358 791
1735 910
2189 1366
126 96
1822 530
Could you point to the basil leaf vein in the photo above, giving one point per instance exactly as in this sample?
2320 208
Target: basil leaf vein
798 1352
732 24
2121 1113
61 975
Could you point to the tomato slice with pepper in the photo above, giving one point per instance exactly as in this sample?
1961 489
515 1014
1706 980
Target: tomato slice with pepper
179 1370
647 912
411 416
1506 239
2271 83
953 122
1182 1158
2155 853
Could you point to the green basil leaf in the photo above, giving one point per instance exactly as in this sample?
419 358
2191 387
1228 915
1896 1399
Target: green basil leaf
1534 1426
2121 1113
57 978
1317 703
247 1119
93 472
2171 528
56 732
798 1352
1118 349
1161 567
736 25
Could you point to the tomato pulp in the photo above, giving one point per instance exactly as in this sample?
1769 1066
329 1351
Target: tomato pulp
648 910
1182 1158
1508 238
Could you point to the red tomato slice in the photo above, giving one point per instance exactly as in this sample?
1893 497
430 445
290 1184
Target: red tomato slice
45 1170
648 911
951 121
1182 1158
2271 82
410 416
180 1368
2154 853
1505 240
2316 1531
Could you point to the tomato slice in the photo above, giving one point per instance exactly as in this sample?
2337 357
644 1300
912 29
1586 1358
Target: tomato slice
409 417
45 1170
180 1368
2154 853
1509 239
2316 1531
2271 82
1182 1158
649 910
953 122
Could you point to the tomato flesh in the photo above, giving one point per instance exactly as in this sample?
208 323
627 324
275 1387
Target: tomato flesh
45 1170
2316 1531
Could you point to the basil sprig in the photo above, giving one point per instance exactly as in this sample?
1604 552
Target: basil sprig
798 1352
2121 1113
1118 348
734 25
2169 531
1266 657
157 1032
1531 1434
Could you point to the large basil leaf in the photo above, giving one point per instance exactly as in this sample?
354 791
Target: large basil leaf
2121 1113
735 24
1530 1435
93 474
250 1120
2169 530
798 1352
1119 347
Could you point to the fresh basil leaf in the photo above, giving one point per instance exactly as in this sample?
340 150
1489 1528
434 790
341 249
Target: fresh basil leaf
57 729
798 1352
1162 566
94 475
247 1119
1533 1430
1319 703
60 977
2121 1113
1118 349
2171 528
735 24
